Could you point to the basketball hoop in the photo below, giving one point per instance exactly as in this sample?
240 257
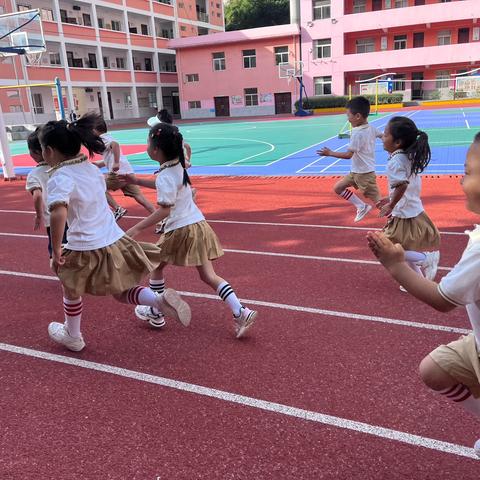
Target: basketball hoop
34 58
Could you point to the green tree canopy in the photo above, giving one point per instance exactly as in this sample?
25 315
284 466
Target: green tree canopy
240 14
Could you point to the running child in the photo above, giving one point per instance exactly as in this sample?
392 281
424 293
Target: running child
37 185
408 224
117 164
189 241
361 151
452 370
99 258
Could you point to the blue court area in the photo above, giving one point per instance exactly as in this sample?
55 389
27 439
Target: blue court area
288 146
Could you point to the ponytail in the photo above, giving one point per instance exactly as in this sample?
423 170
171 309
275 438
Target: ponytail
68 138
413 141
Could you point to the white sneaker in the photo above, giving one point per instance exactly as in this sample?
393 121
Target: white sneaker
146 313
361 212
430 264
171 305
476 447
58 333
244 321
119 213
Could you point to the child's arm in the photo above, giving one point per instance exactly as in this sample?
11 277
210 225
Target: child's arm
99 163
392 257
157 216
188 155
58 220
39 207
387 208
132 179
115 147
326 152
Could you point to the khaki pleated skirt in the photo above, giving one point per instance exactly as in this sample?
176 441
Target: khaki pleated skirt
190 246
110 270
417 233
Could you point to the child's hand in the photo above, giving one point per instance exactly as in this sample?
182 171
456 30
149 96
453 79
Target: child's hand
388 253
386 210
325 152
38 222
115 168
129 179
57 260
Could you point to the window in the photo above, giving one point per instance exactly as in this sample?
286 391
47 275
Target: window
46 14
202 31
70 59
23 8
249 59
127 100
251 97
419 2
463 35
323 48
116 25
106 63
399 82
359 6
399 42
63 16
401 3
219 61
418 39
321 9
37 102
55 59
15 108
148 65
100 22
323 85
194 104
152 99
144 29
376 5
192 77
92 60
87 21
281 55
365 45
443 79
444 37
120 62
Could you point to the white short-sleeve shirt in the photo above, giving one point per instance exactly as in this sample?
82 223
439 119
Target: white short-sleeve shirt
171 192
37 179
462 284
399 169
109 158
91 224
362 144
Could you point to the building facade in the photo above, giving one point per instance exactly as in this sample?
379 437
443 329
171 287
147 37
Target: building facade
111 56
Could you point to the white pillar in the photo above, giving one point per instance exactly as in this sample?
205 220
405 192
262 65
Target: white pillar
135 108
105 107
159 97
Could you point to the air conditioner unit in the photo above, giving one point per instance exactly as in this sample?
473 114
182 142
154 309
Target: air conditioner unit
88 90
76 7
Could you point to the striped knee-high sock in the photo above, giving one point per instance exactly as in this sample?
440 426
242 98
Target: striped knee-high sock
158 286
352 198
461 395
73 315
139 296
226 293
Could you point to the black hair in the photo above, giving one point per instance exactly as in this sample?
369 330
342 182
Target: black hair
477 138
413 141
169 140
101 126
33 142
359 105
164 116
68 138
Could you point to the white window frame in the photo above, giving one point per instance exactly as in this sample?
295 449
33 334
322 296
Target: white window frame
365 45
323 48
192 77
442 79
320 83
219 63
127 100
444 37
399 82
37 103
47 15
400 4
117 25
322 9
402 42
194 104
120 63
249 60
251 97
359 6
57 58
283 56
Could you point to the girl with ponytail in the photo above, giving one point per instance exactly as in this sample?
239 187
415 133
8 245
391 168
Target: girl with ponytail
189 241
99 258
408 224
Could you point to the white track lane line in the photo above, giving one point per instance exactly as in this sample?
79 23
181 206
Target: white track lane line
256 252
267 224
292 308
278 408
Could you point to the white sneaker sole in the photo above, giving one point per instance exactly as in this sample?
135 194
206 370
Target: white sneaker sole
154 322
172 305
243 329
361 216
76 345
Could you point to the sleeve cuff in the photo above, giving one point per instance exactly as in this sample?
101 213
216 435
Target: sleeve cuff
56 204
448 298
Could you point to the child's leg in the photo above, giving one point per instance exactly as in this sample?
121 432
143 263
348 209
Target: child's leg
140 198
111 201
151 314
341 188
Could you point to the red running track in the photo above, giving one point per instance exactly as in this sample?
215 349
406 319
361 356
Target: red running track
73 422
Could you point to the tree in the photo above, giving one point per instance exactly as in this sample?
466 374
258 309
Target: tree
240 14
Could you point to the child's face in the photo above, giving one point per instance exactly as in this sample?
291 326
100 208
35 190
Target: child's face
37 156
154 153
471 179
51 156
389 144
355 119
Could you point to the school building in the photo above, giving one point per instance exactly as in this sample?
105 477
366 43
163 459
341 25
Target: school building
110 55
420 44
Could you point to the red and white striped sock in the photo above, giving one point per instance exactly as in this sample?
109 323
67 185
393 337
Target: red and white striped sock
461 395
73 315
352 198
158 286
140 296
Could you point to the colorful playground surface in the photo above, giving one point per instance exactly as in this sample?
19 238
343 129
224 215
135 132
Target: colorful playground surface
288 146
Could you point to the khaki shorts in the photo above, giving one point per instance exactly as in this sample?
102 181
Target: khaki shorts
365 182
461 360
113 185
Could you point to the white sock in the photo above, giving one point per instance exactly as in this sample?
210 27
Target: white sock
352 198
461 394
415 257
226 293
140 296
158 286
73 315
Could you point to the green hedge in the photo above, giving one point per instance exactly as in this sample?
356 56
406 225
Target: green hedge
340 101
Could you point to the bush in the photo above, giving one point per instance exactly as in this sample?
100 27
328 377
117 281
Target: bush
334 101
